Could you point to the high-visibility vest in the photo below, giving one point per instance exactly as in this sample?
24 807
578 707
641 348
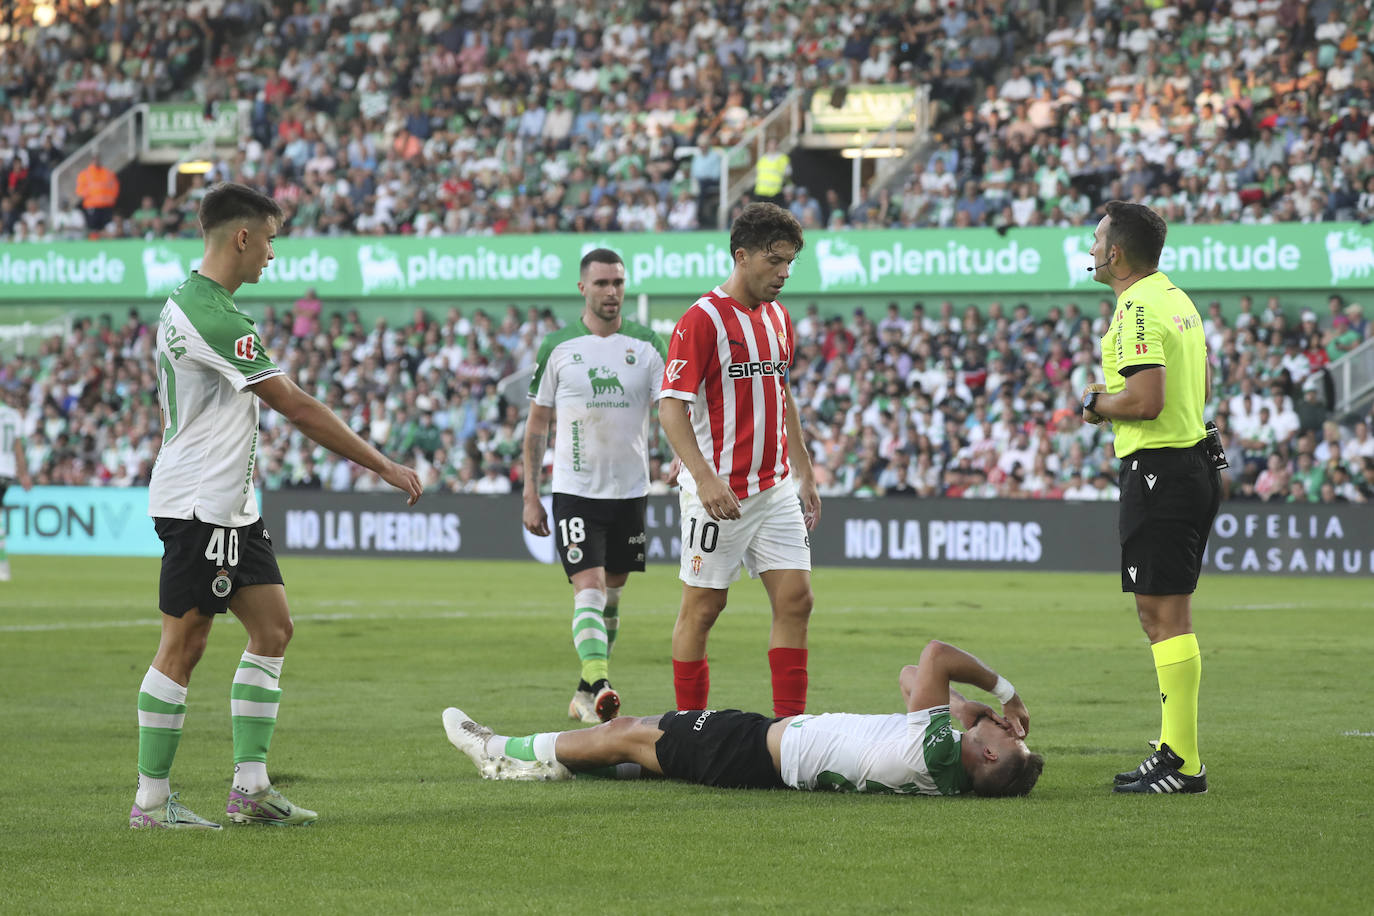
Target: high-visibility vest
97 187
770 173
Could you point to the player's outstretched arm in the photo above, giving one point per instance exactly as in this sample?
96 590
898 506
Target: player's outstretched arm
21 465
928 684
535 519
320 424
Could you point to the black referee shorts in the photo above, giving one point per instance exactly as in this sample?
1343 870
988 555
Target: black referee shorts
718 747
1169 498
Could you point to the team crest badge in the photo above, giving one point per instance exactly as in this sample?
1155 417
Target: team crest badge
782 338
696 565
574 554
220 585
629 357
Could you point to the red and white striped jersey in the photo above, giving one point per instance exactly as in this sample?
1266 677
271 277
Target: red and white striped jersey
730 364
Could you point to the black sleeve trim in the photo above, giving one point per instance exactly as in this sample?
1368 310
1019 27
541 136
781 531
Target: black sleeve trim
1129 371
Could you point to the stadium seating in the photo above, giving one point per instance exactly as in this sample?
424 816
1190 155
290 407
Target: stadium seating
1254 112
905 405
367 121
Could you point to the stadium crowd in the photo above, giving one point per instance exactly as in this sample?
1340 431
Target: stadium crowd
1252 111
424 117
62 81
956 402
428 117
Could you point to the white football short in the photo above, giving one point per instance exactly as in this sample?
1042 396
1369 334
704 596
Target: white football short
769 534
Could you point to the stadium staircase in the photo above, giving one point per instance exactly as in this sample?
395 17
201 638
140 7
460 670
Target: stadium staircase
784 124
116 144
1353 376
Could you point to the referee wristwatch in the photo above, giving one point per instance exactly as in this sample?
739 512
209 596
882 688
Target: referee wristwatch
1090 401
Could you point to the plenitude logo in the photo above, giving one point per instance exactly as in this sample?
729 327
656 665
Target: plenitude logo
1292 256
48 267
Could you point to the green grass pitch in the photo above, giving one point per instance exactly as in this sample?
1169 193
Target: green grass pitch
382 647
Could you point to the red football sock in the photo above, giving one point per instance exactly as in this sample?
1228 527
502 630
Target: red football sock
789 681
691 683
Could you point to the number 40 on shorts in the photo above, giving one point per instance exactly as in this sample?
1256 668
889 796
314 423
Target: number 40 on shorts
223 547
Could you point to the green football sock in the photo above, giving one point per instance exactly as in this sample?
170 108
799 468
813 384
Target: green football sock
589 634
539 747
612 616
253 700
161 713
1178 663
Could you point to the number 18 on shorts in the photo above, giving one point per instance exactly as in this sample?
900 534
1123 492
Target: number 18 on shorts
770 534
595 533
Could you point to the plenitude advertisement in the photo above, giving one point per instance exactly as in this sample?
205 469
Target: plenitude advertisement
929 261
1247 537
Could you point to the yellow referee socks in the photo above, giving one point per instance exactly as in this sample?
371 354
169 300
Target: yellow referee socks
1178 663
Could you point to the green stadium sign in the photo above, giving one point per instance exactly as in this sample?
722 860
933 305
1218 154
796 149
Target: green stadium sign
179 125
862 107
1288 256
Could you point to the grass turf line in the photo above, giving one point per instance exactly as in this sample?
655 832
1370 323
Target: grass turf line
407 826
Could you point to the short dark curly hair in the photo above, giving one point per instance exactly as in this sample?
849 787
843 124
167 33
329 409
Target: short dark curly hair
761 226
1138 231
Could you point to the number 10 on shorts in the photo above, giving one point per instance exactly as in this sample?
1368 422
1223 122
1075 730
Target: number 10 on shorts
710 535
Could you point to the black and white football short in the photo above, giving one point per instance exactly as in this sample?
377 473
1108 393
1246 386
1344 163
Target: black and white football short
1169 499
599 532
203 565
718 747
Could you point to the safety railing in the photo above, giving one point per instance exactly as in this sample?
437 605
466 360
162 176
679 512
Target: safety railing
116 145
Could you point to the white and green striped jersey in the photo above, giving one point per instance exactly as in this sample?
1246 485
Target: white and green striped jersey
601 389
11 433
915 753
208 353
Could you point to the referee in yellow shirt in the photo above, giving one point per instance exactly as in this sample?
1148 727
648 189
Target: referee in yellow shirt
1154 361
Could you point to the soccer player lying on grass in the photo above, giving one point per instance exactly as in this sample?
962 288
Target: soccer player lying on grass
918 753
